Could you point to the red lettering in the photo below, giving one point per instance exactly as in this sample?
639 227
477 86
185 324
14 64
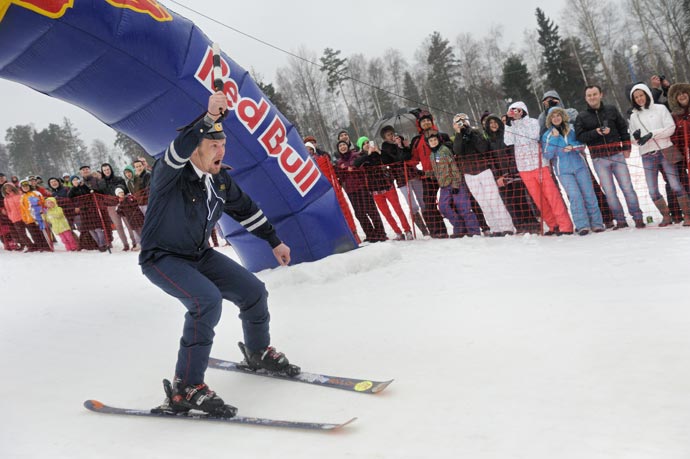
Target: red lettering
274 137
309 165
309 182
206 66
284 159
252 114
231 90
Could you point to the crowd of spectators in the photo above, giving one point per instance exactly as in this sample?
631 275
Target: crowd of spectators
499 176
507 173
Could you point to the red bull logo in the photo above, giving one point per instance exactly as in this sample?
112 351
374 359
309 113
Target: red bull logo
51 8
302 173
56 8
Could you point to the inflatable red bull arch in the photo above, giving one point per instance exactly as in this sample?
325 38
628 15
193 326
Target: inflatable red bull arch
145 71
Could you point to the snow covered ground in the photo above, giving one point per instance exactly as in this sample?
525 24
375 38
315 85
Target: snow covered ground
522 347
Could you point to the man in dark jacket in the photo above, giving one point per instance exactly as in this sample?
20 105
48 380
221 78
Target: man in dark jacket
189 193
605 132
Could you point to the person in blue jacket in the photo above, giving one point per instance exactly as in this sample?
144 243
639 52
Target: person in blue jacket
560 145
189 191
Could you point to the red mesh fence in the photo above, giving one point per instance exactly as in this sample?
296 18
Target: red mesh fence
400 201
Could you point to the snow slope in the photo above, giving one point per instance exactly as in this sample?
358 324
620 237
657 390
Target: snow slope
522 347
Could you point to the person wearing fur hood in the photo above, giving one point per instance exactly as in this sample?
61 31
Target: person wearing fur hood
561 146
651 127
523 132
679 103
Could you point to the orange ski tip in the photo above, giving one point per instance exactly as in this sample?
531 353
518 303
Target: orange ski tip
96 404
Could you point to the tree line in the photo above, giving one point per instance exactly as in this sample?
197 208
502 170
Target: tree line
59 149
606 42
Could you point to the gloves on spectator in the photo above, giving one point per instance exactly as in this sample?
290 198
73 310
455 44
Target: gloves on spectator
509 121
644 139
636 135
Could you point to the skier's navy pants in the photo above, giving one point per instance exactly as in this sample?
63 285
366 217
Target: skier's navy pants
201 285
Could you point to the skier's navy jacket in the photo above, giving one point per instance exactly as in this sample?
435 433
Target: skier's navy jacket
180 217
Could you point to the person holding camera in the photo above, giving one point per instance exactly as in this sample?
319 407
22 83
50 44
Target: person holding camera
380 184
394 150
652 127
605 132
523 132
552 99
659 86
476 162
454 199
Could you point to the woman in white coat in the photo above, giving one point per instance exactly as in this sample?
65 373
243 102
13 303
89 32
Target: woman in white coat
651 127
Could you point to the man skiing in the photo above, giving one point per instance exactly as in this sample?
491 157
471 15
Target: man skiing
189 192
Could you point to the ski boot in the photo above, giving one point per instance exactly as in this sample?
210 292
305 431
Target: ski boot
180 399
268 359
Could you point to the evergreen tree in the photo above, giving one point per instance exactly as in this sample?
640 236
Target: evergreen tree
129 147
335 69
410 91
551 63
579 66
50 149
516 82
442 78
4 161
20 142
75 149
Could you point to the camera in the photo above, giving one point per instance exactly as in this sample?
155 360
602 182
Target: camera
662 77
605 124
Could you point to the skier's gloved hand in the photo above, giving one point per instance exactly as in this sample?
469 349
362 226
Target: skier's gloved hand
644 139
636 135
454 190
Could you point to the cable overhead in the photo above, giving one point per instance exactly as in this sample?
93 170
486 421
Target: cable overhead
277 48
284 51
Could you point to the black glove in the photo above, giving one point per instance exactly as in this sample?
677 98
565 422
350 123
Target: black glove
644 139
636 135
509 120
454 190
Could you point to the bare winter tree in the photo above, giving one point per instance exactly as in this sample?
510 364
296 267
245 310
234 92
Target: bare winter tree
597 20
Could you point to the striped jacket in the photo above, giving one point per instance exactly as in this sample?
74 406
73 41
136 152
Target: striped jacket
180 217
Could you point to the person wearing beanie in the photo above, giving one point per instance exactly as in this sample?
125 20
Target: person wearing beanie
652 127
353 182
190 191
454 198
59 225
310 143
420 153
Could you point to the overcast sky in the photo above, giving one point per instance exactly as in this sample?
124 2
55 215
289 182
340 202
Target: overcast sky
368 27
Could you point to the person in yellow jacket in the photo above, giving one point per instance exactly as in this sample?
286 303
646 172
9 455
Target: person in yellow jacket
59 224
